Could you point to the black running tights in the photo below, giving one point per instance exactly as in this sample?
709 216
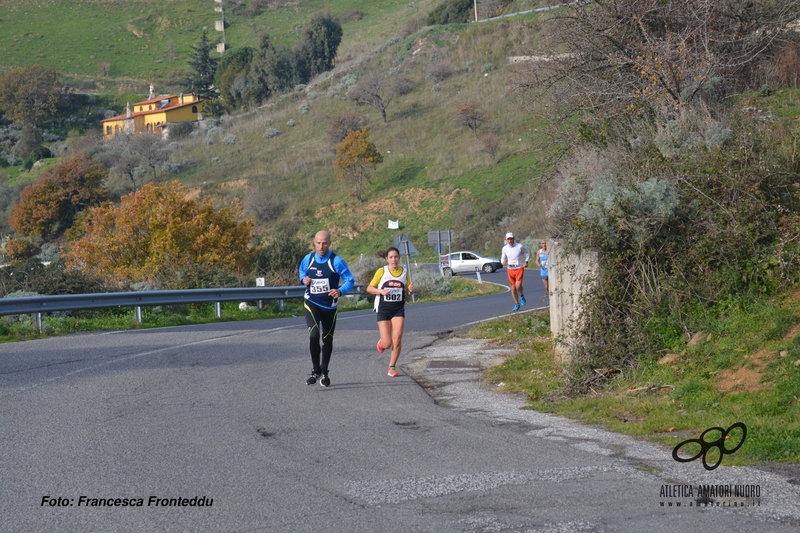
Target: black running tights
321 325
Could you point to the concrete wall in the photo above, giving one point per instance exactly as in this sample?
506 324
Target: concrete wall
570 275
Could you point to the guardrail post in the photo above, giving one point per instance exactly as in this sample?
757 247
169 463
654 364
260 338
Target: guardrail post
280 305
478 272
217 310
260 304
137 314
39 322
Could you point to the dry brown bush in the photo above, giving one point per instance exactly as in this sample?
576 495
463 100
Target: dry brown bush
342 125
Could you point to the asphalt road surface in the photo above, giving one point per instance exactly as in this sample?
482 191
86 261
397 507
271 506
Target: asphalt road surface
212 429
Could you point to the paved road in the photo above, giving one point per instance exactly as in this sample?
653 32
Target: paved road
219 414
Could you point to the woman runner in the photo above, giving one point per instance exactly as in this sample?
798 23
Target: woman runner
389 285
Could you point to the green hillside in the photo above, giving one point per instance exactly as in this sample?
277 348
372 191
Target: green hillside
139 39
144 40
435 175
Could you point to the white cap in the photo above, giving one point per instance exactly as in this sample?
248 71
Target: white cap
509 235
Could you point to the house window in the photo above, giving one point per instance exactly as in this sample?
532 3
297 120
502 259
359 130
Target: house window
149 127
194 109
150 107
108 130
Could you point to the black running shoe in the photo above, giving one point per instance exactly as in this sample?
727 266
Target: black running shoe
325 381
312 379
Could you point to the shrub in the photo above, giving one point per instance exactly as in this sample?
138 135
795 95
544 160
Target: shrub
343 87
229 139
19 249
180 130
58 149
38 153
159 236
271 132
172 168
365 268
717 135
214 107
674 248
440 70
49 253
342 125
450 12
283 253
429 284
262 203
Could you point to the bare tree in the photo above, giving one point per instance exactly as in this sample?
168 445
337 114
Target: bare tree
262 203
151 151
378 91
342 125
128 164
119 154
469 114
666 54
491 144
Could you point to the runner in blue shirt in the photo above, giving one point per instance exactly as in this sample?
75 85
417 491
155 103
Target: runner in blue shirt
321 272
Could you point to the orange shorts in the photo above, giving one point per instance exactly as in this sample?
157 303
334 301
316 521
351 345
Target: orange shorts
515 275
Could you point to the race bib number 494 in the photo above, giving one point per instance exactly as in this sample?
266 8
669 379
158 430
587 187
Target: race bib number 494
320 286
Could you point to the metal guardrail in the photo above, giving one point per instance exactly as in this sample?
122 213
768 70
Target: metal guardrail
75 302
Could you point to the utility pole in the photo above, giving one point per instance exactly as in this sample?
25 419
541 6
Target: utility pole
476 10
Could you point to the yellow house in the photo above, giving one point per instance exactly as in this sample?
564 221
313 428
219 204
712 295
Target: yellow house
153 114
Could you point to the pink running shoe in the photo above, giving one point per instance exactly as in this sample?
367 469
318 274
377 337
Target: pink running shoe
393 372
381 349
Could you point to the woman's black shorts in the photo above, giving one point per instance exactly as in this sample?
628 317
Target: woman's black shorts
388 314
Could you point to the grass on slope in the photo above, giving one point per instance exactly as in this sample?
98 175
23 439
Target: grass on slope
433 167
746 368
149 40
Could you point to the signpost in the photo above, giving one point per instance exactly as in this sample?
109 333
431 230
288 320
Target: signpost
438 240
406 249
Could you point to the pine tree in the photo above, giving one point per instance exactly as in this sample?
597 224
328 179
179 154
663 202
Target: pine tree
204 66
317 48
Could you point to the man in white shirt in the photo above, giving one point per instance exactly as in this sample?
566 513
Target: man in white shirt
512 259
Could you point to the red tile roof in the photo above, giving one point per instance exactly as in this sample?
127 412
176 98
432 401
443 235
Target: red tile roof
150 111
